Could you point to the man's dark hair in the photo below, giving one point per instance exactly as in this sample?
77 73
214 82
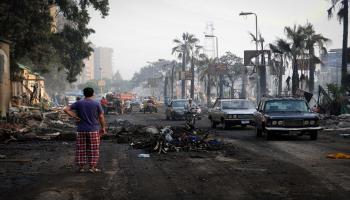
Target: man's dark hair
88 92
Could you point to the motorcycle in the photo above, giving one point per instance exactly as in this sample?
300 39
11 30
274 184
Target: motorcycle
192 116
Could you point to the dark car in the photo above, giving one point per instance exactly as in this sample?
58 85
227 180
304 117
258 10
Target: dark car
286 115
176 109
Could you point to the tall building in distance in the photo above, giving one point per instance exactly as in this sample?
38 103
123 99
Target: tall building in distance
88 71
103 62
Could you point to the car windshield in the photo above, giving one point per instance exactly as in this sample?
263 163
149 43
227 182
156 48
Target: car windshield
286 106
179 103
237 104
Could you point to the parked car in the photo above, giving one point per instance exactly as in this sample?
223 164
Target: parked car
230 112
176 109
286 115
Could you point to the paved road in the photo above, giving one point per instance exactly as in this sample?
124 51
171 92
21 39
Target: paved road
247 168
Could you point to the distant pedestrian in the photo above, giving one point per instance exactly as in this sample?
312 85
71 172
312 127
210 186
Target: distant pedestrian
91 124
288 83
104 104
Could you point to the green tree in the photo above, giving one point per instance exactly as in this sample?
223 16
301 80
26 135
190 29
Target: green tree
204 65
342 9
28 25
183 48
295 49
194 61
313 39
279 60
235 70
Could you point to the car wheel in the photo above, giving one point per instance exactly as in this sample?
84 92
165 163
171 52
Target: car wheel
269 135
166 116
225 125
173 116
213 123
258 132
313 135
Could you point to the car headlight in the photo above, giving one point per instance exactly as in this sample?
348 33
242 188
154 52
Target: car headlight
280 123
274 123
312 122
307 122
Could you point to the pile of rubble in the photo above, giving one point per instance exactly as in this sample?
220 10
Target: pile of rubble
163 139
29 123
332 122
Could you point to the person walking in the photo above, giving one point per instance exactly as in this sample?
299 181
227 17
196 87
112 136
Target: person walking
91 125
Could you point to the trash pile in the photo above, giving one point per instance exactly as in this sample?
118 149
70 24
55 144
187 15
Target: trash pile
163 139
332 122
29 123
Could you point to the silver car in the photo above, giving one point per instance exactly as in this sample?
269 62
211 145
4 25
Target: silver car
176 109
230 112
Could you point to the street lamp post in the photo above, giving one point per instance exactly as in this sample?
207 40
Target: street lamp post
217 57
256 57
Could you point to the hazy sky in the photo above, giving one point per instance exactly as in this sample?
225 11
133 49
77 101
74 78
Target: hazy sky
143 30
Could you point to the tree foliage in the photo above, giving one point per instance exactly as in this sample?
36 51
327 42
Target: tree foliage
28 25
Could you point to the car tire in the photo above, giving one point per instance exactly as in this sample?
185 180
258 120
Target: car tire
313 135
213 123
269 135
173 116
258 132
225 126
167 117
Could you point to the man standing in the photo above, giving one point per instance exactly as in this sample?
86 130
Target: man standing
89 116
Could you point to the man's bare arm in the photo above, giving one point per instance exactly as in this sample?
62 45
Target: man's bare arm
70 112
101 119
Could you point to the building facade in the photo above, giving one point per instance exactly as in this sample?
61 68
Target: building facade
103 63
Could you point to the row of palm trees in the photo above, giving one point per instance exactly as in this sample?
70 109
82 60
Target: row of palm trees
298 48
188 51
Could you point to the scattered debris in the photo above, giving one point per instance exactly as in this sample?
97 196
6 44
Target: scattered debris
332 122
143 155
339 156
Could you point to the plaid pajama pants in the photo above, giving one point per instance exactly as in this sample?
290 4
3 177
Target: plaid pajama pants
87 148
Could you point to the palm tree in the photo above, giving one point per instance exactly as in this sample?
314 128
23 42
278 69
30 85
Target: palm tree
312 40
279 61
205 63
261 68
183 49
342 13
194 60
295 48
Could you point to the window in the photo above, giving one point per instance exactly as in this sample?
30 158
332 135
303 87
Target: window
237 104
286 106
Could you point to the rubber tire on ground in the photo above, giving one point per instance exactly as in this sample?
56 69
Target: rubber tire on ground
213 123
258 132
269 135
313 135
